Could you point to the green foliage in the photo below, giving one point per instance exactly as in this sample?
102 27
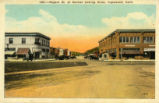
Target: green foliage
76 53
91 51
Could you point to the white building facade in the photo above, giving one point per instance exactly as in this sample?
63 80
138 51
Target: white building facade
22 44
61 52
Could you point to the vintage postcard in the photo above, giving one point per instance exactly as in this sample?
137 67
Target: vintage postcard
79 51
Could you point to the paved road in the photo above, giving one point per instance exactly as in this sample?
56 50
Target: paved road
97 80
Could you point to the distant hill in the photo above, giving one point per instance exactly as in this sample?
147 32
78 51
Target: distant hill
91 51
76 53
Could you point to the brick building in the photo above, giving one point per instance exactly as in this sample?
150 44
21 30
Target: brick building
56 52
129 43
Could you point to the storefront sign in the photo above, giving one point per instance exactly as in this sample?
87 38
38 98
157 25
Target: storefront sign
152 45
149 49
130 45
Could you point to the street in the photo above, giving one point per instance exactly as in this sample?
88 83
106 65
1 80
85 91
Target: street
95 80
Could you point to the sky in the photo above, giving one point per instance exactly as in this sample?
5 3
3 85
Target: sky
78 27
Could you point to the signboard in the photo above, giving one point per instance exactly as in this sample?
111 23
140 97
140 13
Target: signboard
152 45
130 45
149 49
36 50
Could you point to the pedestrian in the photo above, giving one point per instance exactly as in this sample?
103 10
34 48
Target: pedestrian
31 57
27 57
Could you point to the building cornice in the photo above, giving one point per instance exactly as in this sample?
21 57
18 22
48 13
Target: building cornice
129 31
26 34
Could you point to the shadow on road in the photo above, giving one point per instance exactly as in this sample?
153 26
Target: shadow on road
43 79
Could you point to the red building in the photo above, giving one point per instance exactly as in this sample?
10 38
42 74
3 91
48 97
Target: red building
129 43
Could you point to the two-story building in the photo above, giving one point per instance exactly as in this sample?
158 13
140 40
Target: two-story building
21 44
129 43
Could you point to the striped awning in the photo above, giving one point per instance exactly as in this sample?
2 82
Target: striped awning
23 51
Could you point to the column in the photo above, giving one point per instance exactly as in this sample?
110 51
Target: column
141 43
117 53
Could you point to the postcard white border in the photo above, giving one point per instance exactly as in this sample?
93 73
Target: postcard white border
71 100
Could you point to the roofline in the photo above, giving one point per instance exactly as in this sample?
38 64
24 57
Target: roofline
128 31
25 34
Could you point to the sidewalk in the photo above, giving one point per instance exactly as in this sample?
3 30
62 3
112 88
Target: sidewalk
21 60
129 60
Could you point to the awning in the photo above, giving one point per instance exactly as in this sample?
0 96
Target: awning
23 51
149 49
9 52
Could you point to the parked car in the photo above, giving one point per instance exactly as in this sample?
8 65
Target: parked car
91 57
73 57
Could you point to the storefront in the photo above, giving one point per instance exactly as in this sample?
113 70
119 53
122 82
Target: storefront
23 53
129 43
149 52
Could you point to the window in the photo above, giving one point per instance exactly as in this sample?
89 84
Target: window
144 39
138 39
131 39
48 43
120 39
47 50
151 39
43 50
37 41
23 40
123 39
10 40
127 39
135 40
44 42
148 39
